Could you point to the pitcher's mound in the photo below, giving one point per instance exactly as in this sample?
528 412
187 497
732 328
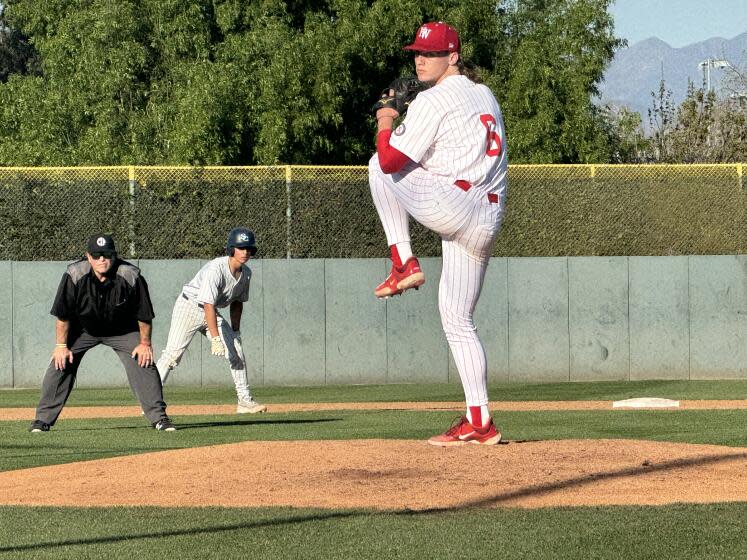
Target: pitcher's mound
394 474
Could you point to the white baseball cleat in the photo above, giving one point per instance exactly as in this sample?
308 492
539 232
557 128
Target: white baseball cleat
250 407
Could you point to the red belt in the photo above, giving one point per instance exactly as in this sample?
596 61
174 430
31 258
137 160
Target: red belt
466 185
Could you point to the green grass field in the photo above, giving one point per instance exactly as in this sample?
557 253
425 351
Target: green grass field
681 531
405 392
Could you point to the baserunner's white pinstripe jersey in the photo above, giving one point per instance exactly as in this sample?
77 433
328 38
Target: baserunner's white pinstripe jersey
215 284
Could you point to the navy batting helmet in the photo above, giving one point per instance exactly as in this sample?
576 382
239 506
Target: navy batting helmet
242 238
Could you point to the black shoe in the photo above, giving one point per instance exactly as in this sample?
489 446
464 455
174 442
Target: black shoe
39 426
164 425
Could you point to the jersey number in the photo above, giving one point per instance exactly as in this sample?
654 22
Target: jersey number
494 140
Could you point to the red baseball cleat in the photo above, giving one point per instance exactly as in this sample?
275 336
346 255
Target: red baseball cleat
462 432
401 279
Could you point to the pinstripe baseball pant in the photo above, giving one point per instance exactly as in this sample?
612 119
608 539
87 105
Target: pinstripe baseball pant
187 319
468 225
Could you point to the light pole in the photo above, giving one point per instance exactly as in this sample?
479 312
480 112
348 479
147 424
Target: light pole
709 63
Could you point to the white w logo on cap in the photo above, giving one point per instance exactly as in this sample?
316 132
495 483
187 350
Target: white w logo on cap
424 32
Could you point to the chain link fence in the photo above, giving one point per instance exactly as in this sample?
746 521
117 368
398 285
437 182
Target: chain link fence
634 210
327 211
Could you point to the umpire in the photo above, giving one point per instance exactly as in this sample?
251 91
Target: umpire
102 300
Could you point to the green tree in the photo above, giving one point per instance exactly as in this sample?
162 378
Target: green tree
662 120
691 140
730 131
702 129
17 55
627 137
558 52
285 81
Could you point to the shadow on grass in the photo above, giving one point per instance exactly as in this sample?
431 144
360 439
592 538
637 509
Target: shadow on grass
537 490
182 532
95 453
100 428
182 427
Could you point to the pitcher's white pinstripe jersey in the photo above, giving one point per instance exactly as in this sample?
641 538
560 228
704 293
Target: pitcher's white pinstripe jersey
450 128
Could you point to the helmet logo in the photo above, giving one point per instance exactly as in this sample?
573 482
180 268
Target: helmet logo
243 237
424 32
101 242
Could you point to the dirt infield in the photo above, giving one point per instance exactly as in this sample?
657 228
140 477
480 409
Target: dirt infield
389 474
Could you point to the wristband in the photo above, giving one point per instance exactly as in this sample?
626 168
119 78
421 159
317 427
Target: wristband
60 345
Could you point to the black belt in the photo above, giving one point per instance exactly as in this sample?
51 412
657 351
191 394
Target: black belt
198 305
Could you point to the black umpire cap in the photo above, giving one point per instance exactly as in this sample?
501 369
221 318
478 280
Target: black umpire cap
100 243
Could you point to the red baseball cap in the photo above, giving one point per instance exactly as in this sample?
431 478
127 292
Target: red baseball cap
434 37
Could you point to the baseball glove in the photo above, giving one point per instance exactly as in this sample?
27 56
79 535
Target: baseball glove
404 91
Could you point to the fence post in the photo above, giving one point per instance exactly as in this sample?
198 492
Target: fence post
131 173
740 186
288 212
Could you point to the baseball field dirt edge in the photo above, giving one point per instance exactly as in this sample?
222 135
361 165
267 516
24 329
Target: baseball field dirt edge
390 474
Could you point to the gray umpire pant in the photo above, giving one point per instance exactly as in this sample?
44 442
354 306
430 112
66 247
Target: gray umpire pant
144 381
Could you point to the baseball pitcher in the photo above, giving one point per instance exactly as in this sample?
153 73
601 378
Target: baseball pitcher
446 166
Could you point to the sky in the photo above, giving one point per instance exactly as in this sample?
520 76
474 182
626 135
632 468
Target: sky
679 22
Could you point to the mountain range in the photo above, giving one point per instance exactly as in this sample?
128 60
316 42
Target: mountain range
637 71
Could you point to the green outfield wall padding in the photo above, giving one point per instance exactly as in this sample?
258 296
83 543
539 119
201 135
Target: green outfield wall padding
316 322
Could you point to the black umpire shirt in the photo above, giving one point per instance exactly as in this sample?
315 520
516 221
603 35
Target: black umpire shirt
109 308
